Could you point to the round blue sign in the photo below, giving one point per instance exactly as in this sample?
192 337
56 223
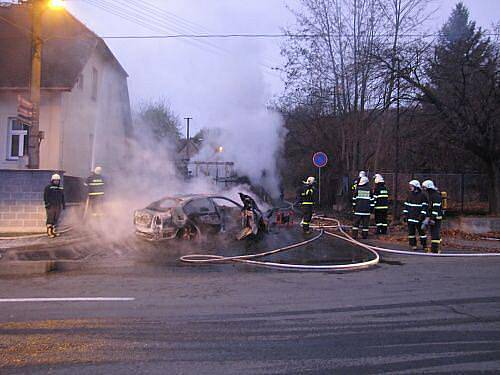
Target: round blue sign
320 159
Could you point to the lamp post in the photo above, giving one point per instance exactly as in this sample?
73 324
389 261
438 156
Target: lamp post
37 9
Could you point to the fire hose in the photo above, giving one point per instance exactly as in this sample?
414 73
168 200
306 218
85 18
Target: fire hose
338 226
248 259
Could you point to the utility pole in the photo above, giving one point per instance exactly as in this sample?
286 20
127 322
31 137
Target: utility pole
187 136
396 169
35 83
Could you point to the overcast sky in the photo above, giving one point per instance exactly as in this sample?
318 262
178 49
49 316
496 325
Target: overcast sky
196 76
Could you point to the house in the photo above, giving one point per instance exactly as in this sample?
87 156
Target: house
85 108
84 111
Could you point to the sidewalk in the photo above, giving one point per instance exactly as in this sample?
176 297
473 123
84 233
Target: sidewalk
453 241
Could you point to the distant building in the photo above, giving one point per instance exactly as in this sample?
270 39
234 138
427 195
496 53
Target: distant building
85 108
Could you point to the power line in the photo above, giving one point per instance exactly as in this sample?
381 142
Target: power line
156 23
258 36
138 19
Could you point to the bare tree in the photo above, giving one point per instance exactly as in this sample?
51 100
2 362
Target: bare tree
335 69
458 80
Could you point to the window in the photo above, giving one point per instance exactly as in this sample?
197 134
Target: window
94 84
17 138
199 206
79 82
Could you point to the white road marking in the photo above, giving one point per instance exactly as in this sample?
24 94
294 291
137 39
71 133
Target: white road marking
71 299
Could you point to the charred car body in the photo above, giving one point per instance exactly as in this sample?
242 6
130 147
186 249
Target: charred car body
191 216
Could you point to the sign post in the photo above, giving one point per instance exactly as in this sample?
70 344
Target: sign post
25 110
320 159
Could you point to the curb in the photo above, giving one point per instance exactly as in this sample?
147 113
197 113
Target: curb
56 243
23 268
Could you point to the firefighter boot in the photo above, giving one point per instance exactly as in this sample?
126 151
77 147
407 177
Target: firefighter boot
364 233
55 232
435 247
412 242
423 242
355 233
50 231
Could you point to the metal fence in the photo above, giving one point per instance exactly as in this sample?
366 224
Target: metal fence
467 192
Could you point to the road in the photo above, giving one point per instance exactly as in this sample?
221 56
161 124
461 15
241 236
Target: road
412 315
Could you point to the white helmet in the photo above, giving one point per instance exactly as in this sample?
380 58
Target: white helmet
378 178
363 181
415 183
98 170
428 184
55 177
310 180
362 174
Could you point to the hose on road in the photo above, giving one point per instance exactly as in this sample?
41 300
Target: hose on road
248 259
337 225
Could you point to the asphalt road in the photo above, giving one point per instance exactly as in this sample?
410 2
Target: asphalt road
411 315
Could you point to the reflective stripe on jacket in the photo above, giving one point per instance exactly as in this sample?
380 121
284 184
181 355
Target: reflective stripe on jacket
415 206
363 201
435 209
95 185
381 196
307 195
53 196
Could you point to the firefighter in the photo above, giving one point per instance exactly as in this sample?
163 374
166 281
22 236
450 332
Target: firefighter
381 198
356 182
95 185
414 212
434 214
53 197
354 185
306 198
363 204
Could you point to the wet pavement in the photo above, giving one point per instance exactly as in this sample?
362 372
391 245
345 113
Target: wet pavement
414 315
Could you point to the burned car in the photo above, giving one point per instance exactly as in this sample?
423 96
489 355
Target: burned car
194 216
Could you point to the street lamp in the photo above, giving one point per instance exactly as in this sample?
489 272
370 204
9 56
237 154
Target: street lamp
56 4
220 149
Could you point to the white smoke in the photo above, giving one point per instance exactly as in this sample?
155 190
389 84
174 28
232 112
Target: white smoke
251 135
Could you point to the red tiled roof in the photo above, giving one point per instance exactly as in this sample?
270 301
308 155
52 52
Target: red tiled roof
68 44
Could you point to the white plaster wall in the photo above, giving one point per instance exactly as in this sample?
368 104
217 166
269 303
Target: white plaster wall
93 132
49 123
77 128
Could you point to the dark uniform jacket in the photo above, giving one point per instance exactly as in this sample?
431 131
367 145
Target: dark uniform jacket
95 185
307 195
435 209
363 202
415 206
381 196
53 196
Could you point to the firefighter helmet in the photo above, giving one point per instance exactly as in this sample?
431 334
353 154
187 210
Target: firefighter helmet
363 181
310 180
378 178
55 177
428 184
98 170
415 183
362 174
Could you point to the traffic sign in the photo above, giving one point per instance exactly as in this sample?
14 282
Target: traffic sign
320 159
25 109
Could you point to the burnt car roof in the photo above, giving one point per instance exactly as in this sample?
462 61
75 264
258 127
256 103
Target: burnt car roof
185 197
181 199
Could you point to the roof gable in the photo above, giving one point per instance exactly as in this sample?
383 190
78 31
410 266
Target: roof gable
68 45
